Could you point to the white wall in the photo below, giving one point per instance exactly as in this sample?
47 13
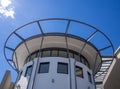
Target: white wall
54 80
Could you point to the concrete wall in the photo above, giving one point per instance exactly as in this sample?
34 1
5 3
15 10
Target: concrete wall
54 80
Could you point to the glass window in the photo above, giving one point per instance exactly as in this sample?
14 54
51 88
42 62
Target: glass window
87 64
62 53
62 68
82 59
54 53
71 55
28 71
79 71
89 77
77 57
43 67
33 56
46 53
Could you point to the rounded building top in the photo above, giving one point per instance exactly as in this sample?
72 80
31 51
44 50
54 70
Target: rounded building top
59 33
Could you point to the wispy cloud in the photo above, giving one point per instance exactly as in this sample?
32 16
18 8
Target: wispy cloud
6 8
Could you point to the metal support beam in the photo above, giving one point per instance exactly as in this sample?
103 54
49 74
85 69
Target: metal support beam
92 35
40 27
69 60
105 48
67 28
23 41
95 62
39 55
9 48
66 40
16 61
19 36
88 39
98 67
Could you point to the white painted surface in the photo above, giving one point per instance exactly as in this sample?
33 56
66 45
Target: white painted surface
84 81
54 80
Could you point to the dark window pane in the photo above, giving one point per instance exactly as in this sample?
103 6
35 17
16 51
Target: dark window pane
46 53
33 56
87 64
79 71
77 57
62 53
83 59
89 77
43 67
54 53
71 55
28 71
62 68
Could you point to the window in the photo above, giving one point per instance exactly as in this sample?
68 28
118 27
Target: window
71 55
43 67
79 71
54 53
46 53
62 53
82 59
62 68
28 71
87 64
77 57
89 77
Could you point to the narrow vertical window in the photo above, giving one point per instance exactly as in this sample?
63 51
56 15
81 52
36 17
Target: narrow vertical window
71 54
87 64
89 77
77 57
62 68
43 67
79 71
28 71
54 53
62 53
46 53
82 59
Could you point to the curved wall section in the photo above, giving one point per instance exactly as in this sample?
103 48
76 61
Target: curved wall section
82 38
58 41
58 52
55 73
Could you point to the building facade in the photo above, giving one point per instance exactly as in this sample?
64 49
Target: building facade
59 57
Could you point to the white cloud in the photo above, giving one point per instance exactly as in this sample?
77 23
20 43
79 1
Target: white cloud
6 8
5 3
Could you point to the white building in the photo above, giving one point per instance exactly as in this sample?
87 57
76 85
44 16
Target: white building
53 58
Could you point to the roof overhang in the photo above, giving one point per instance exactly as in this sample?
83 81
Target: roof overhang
60 41
90 40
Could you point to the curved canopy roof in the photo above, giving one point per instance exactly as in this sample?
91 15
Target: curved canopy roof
65 33
58 41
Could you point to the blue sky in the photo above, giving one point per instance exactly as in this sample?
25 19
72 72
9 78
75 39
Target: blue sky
103 14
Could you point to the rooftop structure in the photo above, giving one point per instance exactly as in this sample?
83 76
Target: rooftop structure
83 50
